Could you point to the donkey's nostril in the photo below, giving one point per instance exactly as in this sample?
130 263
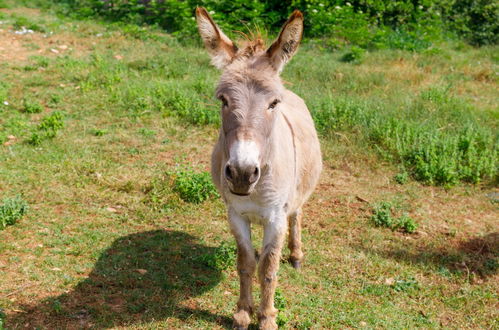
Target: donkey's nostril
228 173
255 175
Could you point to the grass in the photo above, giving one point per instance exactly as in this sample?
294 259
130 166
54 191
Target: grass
109 241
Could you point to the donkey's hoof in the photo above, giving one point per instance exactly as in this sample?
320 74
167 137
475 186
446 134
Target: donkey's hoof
267 323
242 320
295 263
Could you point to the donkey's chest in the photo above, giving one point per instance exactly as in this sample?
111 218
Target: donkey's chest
254 211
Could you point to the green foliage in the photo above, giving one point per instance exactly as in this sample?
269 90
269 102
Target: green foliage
405 285
11 210
475 20
402 177
4 90
193 187
30 106
430 154
222 258
280 303
401 24
406 224
2 314
21 21
47 129
382 217
355 55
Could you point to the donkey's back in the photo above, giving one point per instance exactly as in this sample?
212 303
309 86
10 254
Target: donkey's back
307 147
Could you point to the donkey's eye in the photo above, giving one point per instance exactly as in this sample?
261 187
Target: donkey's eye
273 104
224 101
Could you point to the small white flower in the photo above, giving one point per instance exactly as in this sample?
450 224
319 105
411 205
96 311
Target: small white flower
420 7
337 7
212 12
321 5
5 103
349 4
314 11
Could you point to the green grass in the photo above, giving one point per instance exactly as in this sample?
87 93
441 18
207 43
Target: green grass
121 233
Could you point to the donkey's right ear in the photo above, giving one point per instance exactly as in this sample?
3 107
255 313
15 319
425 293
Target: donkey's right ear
221 49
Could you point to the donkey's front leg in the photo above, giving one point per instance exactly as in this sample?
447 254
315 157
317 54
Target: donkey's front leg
274 233
246 265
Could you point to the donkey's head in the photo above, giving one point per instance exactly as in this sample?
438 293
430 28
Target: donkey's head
250 91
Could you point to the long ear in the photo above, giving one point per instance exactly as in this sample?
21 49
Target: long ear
287 43
221 49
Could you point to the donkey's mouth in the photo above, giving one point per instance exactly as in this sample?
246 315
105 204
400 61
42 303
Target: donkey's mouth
239 194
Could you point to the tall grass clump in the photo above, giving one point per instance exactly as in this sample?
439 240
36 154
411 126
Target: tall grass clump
11 210
430 151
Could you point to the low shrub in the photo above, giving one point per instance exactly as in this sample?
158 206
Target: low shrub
193 187
382 217
11 210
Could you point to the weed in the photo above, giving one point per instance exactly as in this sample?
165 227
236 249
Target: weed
2 314
51 124
98 132
4 89
354 55
406 224
193 187
30 106
54 99
405 285
401 178
222 258
47 129
21 21
11 210
147 132
382 217
280 303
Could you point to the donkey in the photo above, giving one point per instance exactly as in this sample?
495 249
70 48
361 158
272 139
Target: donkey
267 160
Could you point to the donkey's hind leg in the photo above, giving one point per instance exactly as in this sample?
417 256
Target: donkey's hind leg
294 241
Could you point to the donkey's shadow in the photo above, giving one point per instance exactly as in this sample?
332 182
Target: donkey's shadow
140 277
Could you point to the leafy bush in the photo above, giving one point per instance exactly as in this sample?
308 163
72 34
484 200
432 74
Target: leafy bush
337 21
382 215
193 187
475 20
11 210
355 54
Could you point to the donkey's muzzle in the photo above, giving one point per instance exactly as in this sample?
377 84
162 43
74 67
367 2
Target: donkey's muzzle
241 178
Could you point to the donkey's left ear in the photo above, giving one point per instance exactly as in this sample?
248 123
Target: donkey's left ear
218 45
287 43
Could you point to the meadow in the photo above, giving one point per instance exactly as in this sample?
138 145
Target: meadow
108 217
